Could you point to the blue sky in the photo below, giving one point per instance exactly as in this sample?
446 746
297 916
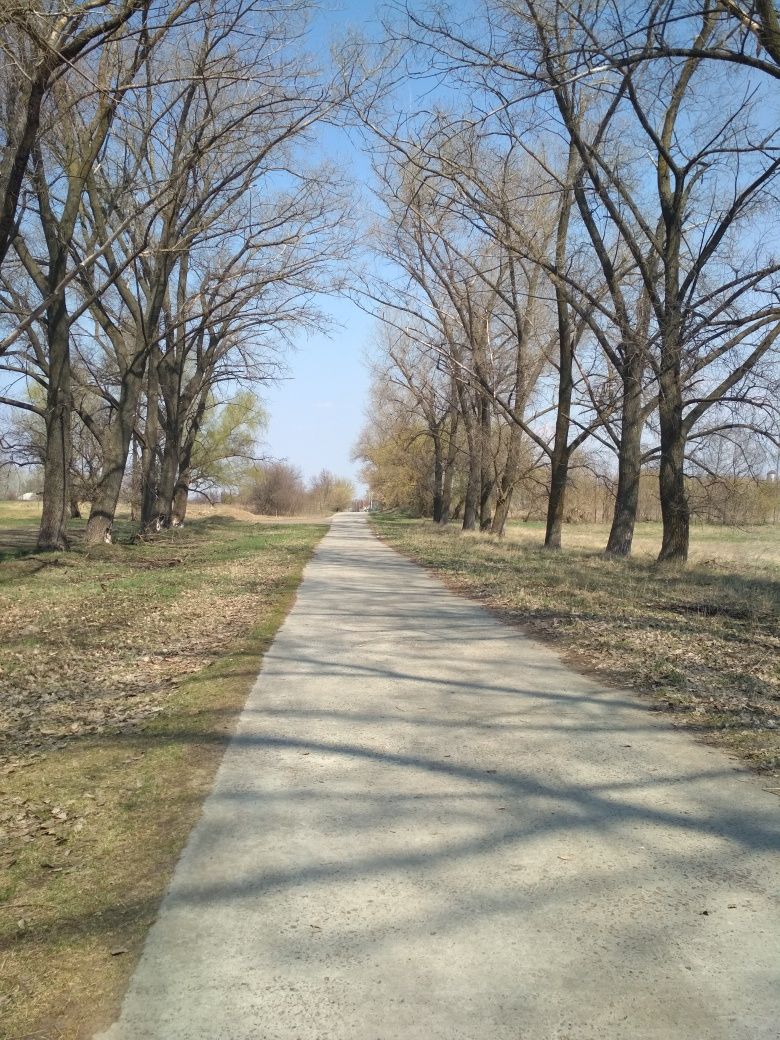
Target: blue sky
316 414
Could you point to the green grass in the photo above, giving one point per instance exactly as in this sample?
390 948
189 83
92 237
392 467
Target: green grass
122 672
702 643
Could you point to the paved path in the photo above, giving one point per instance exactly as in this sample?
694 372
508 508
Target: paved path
427 828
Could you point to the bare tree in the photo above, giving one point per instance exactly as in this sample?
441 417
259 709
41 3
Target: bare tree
274 489
713 296
183 142
234 305
80 115
414 377
191 158
39 46
702 310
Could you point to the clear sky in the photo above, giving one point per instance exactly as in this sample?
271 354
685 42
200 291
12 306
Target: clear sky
316 413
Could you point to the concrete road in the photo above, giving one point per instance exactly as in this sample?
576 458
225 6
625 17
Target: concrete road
428 828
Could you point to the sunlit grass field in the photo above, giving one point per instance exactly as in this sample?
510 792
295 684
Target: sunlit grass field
742 548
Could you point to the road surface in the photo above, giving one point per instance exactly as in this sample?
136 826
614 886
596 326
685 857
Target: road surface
428 828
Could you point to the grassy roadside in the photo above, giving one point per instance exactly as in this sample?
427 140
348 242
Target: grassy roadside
703 643
121 675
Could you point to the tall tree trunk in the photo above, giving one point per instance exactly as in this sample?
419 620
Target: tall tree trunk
446 497
449 470
621 534
473 440
487 475
473 488
561 453
106 496
56 471
486 502
501 514
116 447
182 490
675 512
151 441
144 356
559 476
674 501
438 478
180 499
506 485
168 472
135 484
559 459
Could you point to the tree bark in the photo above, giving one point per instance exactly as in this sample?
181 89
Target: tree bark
438 479
106 496
621 534
180 499
56 498
471 501
56 472
487 475
557 501
166 488
559 459
473 440
675 512
503 504
182 490
449 470
151 441
135 492
506 485
116 446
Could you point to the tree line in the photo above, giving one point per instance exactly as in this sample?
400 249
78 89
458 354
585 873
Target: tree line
578 245
574 240
164 231
277 488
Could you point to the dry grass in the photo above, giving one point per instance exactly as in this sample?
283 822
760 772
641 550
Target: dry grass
703 643
744 549
13 511
122 673
204 509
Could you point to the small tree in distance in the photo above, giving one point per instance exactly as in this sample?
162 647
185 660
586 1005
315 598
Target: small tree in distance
329 493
